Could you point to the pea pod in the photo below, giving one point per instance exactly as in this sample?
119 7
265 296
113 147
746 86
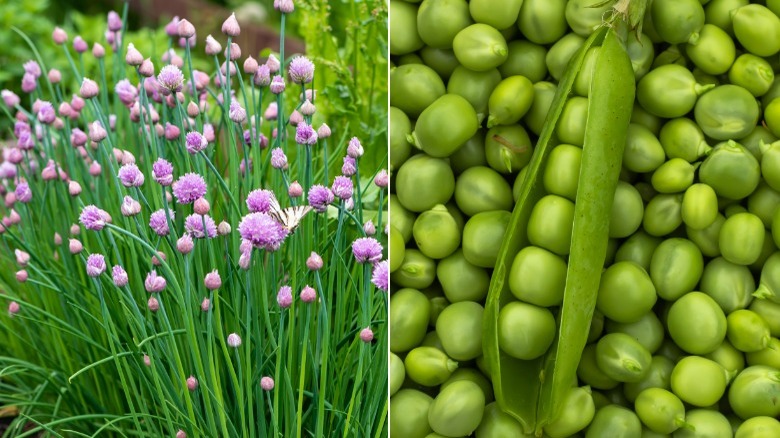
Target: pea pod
533 401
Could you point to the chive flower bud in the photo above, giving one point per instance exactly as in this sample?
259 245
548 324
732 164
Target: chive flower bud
59 36
201 206
295 190
46 114
284 6
185 29
119 275
13 308
130 207
192 385
230 26
95 169
10 98
237 113
205 305
382 179
307 108
271 112
212 280
181 434
192 109
79 45
96 131
366 335
262 75
22 258
367 250
273 64
355 149
349 167
295 118
162 171
284 297
147 360
185 244
267 383
172 28
130 176
57 239
233 340
21 276
369 228
98 51
154 283
323 131
75 246
146 69
133 56
278 158
114 22
96 265
314 262
342 187
235 53
223 229
153 304
74 188
277 85
23 192
213 47
308 294
55 76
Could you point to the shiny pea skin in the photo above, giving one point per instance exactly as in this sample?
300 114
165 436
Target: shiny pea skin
508 148
561 52
676 267
499 14
442 61
576 412
731 359
526 59
669 91
436 233
640 116
397 248
648 330
470 154
757 29
480 47
409 311
660 410
403 32
510 101
707 238
755 391
718 12
438 21
687 376
753 141
585 75
616 422
445 125
460 280
663 214
763 203
622 358
543 21
726 112
677 21
571 126
657 377
397 373
696 323
460 329
457 409
627 211
673 176
682 138
625 293
638 248
525 331
770 163
731 170
400 128
671 56
704 423
699 206
747 331
472 375
429 366
758 427
713 51
562 172
483 235
403 219
550 224
416 271
772 116
752 73
583 17
424 181
543 97
496 423
481 189
410 413
769 356
538 276
729 284
588 370
641 52
474 86
769 284
414 87
643 152
742 238
770 311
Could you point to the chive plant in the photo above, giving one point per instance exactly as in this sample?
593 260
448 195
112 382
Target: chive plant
184 264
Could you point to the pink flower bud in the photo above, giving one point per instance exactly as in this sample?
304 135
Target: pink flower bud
308 109
235 53
201 206
192 384
308 294
157 259
153 304
185 29
284 6
75 246
130 207
59 36
223 229
230 27
55 76
192 109
295 118
74 188
244 261
205 305
96 131
233 340
366 335
181 434
272 112
323 131
213 47
79 45
77 103
382 179
22 258
273 64
14 218
146 69
89 88
369 228
98 51
127 158
295 190
314 262
57 239
13 308
21 276
212 280
250 66
185 244
133 56
267 383
49 172
171 132
95 169
147 360
75 230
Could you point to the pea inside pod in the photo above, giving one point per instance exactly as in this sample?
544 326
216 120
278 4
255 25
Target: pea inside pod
480 47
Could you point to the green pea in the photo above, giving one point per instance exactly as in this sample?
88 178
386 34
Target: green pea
731 170
616 422
770 163
525 59
769 356
590 373
584 77
480 47
460 280
460 329
622 358
699 206
752 73
755 391
640 116
670 350
705 78
414 87
445 125
726 112
647 330
403 32
764 203
669 91
429 366
676 267
672 55
713 52
561 52
731 359
510 101
769 285
470 154
457 410
442 61
410 413
583 17
677 21
409 311
495 423
675 175
625 293
423 182
627 211
403 219
576 412
550 224
409 59
759 134
543 97
482 237
508 148
431 339
499 14
643 152
696 324
729 284
638 248
660 410
682 138
758 427
400 128
474 86
718 12
416 271
438 21
640 50
658 376
481 189
704 423
757 29
397 248
663 214
397 373
571 126
525 331
742 238
538 276
687 376
543 21
770 311
472 375
707 239
747 331
456 214
436 233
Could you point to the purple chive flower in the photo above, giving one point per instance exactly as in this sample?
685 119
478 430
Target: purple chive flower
162 171
260 200
277 85
172 28
23 192
284 6
26 141
233 340
188 188
301 70
212 280
185 244
119 276
114 22
237 113
130 176
154 283
342 187
367 250
10 98
262 76
381 275
262 230
93 218
32 68
355 149
193 225
278 159
213 47
308 294
267 383
349 167
96 265
29 83
382 180
126 92
320 197
196 142
284 298
79 45
305 134
158 222
89 88
46 113
170 80
59 36
130 207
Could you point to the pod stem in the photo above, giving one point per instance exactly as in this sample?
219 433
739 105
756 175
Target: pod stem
700 89
452 365
412 139
763 292
682 424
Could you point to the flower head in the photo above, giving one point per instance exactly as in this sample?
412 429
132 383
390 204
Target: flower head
96 265
59 36
195 142
230 26
237 113
23 192
366 335
277 85
233 340
130 176
93 218
98 51
46 114
260 200
263 231
295 190
188 188
301 70
114 22
185 29
267 383
89 88
212 280
314 262
213 47
305 134
29 83
342 187
158 222
146 69
278 158
320 197
193 225
382 180
284 298
130 207
79 45
10 98
119 276
185 244
162 171
126 92
75 246
381 275
154 283
355 149
32 68
308 294
133 56
367 250
262 76
170 80
284 6
349 167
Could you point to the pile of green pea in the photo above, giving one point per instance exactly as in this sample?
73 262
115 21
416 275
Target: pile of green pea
684 341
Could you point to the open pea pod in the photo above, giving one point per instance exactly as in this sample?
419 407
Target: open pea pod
531 391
